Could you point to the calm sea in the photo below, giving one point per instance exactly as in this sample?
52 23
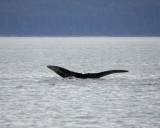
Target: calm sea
32 96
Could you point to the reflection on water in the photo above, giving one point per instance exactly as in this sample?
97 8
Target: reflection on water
33 96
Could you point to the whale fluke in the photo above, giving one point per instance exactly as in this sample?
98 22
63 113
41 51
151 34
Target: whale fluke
67 73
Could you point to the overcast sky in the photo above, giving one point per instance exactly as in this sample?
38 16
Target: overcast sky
79 17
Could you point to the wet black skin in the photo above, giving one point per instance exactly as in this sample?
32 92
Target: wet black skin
67 73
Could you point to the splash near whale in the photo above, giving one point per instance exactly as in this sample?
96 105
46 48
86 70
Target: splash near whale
65 73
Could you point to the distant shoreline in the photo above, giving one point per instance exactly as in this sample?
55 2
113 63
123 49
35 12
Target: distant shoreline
79 39
90 36
79 36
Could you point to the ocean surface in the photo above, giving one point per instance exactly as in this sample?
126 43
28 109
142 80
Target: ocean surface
32 96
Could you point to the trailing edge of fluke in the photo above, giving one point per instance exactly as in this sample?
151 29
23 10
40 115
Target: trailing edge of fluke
67 73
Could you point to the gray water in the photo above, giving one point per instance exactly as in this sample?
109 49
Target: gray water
32 96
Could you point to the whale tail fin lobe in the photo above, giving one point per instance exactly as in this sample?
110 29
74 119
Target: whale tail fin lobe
101 74
115 71
61 71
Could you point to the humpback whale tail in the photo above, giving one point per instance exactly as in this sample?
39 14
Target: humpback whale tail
67 73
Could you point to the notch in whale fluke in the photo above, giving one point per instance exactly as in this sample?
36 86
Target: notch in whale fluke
67 73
